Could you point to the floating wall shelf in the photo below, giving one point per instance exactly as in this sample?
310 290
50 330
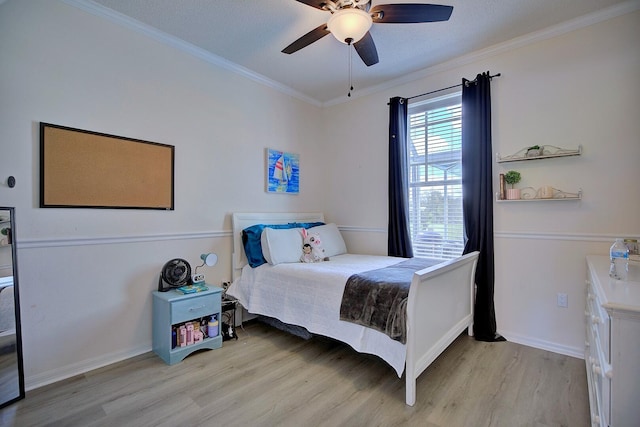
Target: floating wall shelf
529 194
545 152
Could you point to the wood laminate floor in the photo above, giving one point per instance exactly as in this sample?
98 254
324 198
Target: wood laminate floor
270 378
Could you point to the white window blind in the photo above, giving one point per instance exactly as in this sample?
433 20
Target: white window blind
435 177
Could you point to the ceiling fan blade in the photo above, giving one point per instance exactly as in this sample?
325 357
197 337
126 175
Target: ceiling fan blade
410 13
304 41
318 4
366 48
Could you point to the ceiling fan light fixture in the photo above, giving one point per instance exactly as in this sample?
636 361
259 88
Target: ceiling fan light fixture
349 24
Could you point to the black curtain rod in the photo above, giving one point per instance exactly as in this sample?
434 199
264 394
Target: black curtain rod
446 88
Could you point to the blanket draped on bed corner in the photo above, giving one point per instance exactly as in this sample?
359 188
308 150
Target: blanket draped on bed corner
378 298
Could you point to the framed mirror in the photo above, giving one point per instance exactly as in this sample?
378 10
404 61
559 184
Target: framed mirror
11 368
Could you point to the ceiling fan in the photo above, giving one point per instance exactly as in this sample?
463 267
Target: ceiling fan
351 20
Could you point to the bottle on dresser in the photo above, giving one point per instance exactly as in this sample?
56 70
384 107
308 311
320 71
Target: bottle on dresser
619 255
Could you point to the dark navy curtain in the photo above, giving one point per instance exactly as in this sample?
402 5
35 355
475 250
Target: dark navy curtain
477 200
399 239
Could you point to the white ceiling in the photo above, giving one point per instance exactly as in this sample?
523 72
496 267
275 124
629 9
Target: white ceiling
248 36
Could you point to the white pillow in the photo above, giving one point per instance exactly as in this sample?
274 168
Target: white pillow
281 245
331 239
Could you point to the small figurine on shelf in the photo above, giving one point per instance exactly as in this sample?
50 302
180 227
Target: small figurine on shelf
534 151
512 177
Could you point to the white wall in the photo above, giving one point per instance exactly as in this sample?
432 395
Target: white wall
86 275
578 88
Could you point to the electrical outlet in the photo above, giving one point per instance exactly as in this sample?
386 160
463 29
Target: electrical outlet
563 300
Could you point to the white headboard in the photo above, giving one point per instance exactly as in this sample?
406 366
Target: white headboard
240 221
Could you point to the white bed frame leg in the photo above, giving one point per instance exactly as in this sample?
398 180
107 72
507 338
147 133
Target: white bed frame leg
410 386
473 299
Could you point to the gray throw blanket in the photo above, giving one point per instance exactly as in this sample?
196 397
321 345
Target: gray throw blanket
378 298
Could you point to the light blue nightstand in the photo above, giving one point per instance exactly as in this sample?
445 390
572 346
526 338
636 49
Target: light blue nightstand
173 308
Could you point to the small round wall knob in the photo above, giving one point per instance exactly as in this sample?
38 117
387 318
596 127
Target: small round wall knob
11 182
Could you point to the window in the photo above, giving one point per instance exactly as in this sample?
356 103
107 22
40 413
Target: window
435 177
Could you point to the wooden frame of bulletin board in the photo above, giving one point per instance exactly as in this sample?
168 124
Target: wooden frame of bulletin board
84 169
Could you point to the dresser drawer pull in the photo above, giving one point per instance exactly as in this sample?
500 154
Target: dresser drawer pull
596 369
200 307
595 319
608 372
590 296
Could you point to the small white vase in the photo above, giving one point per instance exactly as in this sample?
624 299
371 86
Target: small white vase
513 194
546 192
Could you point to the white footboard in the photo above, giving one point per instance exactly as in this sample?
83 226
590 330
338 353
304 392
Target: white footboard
440 307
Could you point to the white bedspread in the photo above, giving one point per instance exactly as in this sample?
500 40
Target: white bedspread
310 294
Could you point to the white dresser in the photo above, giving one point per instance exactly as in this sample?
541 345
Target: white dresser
612 353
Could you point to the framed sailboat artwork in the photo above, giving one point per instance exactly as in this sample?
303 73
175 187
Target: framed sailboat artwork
283 172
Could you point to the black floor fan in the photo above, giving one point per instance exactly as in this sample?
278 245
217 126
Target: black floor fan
175 273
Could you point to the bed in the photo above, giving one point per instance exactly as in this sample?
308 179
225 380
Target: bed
439 306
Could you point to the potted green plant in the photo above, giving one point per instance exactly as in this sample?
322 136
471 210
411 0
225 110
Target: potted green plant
6 232
511 178
534 151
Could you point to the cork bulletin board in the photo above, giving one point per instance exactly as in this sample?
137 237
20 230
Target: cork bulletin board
84 169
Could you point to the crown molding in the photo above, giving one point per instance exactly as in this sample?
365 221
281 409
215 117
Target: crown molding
518 42
115 17
93 8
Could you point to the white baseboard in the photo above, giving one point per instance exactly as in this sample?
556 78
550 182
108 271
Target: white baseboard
543 345
62 373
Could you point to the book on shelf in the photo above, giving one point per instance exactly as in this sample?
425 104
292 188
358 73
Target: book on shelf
190 289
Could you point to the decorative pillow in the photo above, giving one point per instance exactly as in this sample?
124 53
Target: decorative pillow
251 239
332 240
307 224
281 245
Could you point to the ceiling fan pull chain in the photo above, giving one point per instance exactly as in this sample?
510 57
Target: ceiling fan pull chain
350 68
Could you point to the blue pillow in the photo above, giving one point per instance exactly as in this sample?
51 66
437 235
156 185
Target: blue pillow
307 225
251 239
